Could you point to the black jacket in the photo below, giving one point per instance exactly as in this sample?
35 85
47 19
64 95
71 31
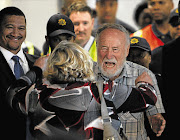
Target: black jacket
12 124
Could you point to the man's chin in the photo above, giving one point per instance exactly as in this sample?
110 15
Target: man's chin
159 21
13 47
111 73
79 40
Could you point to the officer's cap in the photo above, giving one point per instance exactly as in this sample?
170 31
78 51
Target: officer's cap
59 24
138 42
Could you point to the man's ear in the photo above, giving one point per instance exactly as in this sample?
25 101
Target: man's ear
92 22
149 58
127 50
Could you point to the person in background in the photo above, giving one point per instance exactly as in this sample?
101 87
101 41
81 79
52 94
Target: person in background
63 4
142 15
156 64
167 56
113 48
157 33
140 52
174 24
82 17
106 13
13 64
59 27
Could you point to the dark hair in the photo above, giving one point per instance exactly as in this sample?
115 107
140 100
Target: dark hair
10 11
79 6
139 10
136 55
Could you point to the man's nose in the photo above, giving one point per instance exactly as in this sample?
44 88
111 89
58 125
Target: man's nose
107 8
81 27
15 32
156 6
109 54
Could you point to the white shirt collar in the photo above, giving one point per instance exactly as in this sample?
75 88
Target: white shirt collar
8 55
89 43
21 56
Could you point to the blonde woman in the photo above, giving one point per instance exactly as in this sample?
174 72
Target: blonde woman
69 63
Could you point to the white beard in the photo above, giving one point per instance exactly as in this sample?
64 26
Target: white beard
109 74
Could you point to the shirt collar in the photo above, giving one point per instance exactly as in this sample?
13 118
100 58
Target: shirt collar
8 55
157 32
21 55
89 43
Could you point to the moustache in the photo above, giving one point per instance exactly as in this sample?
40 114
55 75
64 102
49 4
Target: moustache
81 33
110 61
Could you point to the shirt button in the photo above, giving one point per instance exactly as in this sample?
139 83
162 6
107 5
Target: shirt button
163 37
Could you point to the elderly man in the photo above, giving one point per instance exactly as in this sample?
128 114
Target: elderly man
112 49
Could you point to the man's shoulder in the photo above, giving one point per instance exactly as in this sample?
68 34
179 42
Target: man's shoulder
133 67
136 69
30 57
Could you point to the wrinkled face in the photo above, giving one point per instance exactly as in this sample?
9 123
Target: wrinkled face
160 9
106 11
83 25
12 33
112 52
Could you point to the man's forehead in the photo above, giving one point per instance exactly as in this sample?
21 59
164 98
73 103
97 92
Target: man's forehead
80 13
111 31
112 34
14 18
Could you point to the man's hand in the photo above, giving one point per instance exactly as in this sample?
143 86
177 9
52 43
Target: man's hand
144 77
41 62
157 123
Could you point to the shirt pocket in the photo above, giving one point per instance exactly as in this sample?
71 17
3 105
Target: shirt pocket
132 122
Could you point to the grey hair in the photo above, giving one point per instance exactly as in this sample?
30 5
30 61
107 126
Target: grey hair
113 26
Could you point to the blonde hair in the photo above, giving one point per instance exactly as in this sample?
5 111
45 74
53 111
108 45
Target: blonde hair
69 63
